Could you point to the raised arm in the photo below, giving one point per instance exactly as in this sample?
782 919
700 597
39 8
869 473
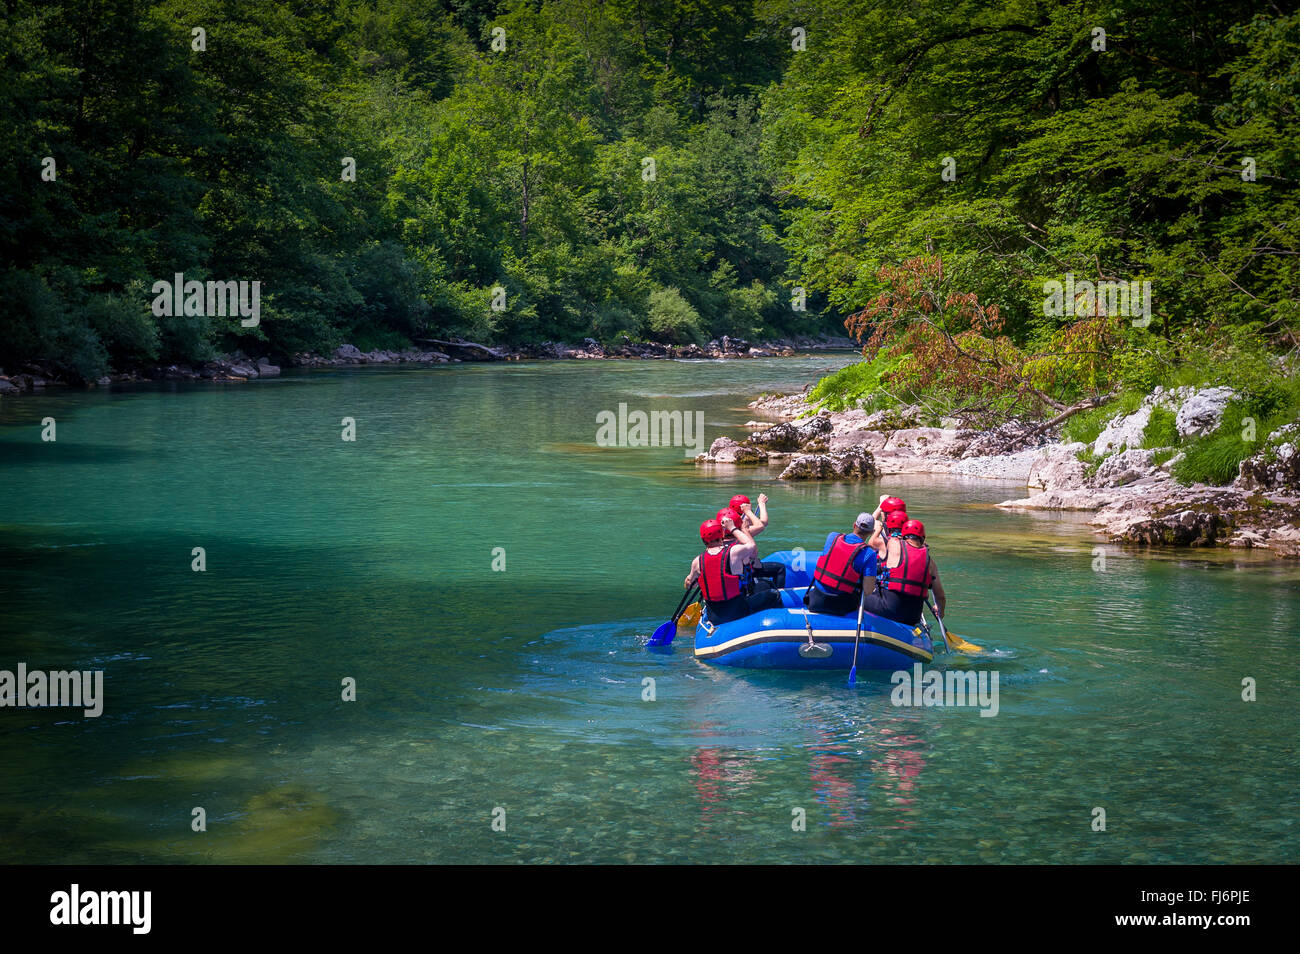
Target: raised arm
737 533
758 522
879 542
879 514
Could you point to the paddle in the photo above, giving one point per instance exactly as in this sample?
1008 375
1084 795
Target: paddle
690 617
952 640
811 649
961 645
665 633
857 635
943 635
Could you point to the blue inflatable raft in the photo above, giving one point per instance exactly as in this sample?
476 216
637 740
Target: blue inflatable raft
771 639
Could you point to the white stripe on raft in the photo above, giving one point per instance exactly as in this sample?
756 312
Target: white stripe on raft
801 635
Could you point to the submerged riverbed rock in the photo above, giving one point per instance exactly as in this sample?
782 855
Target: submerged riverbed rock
856 464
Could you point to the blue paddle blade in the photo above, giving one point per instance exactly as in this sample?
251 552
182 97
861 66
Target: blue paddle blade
853 676
664 634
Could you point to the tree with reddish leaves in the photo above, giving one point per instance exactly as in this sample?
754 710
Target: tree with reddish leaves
956 350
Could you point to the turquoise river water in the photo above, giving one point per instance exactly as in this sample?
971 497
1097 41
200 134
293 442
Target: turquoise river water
517 693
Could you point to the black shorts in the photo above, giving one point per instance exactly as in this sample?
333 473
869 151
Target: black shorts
894 605
837 604
729 611
770 576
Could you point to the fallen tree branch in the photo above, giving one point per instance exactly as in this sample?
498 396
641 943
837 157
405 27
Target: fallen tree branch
1070 412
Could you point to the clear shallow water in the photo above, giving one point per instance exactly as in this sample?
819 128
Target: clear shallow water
523 689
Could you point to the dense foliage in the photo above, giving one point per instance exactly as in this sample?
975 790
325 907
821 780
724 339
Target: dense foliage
946 161
524 168
662 169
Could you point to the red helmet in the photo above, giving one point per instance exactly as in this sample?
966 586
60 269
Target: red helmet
914 528
895 519
738 502
735 515
890 504
711 531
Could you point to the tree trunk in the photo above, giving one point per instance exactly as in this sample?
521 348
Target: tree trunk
1070 412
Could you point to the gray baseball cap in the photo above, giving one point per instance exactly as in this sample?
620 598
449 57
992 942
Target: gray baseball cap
865 521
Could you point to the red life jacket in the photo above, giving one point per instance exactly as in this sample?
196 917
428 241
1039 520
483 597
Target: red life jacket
912 576
835 570
717 583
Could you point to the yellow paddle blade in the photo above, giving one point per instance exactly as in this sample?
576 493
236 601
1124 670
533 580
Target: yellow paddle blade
690 617
956 642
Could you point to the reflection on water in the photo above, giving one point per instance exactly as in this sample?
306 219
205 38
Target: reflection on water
523 688
872 778
831 771
898 769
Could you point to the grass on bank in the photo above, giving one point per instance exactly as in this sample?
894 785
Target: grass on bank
1263 405
1161 430
860 385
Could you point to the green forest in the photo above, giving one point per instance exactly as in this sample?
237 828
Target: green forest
665 170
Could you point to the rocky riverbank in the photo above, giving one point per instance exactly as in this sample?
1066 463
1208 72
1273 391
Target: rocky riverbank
238 366
1129 491
234 367
724 347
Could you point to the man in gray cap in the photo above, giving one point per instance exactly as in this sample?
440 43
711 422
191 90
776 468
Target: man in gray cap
842 570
